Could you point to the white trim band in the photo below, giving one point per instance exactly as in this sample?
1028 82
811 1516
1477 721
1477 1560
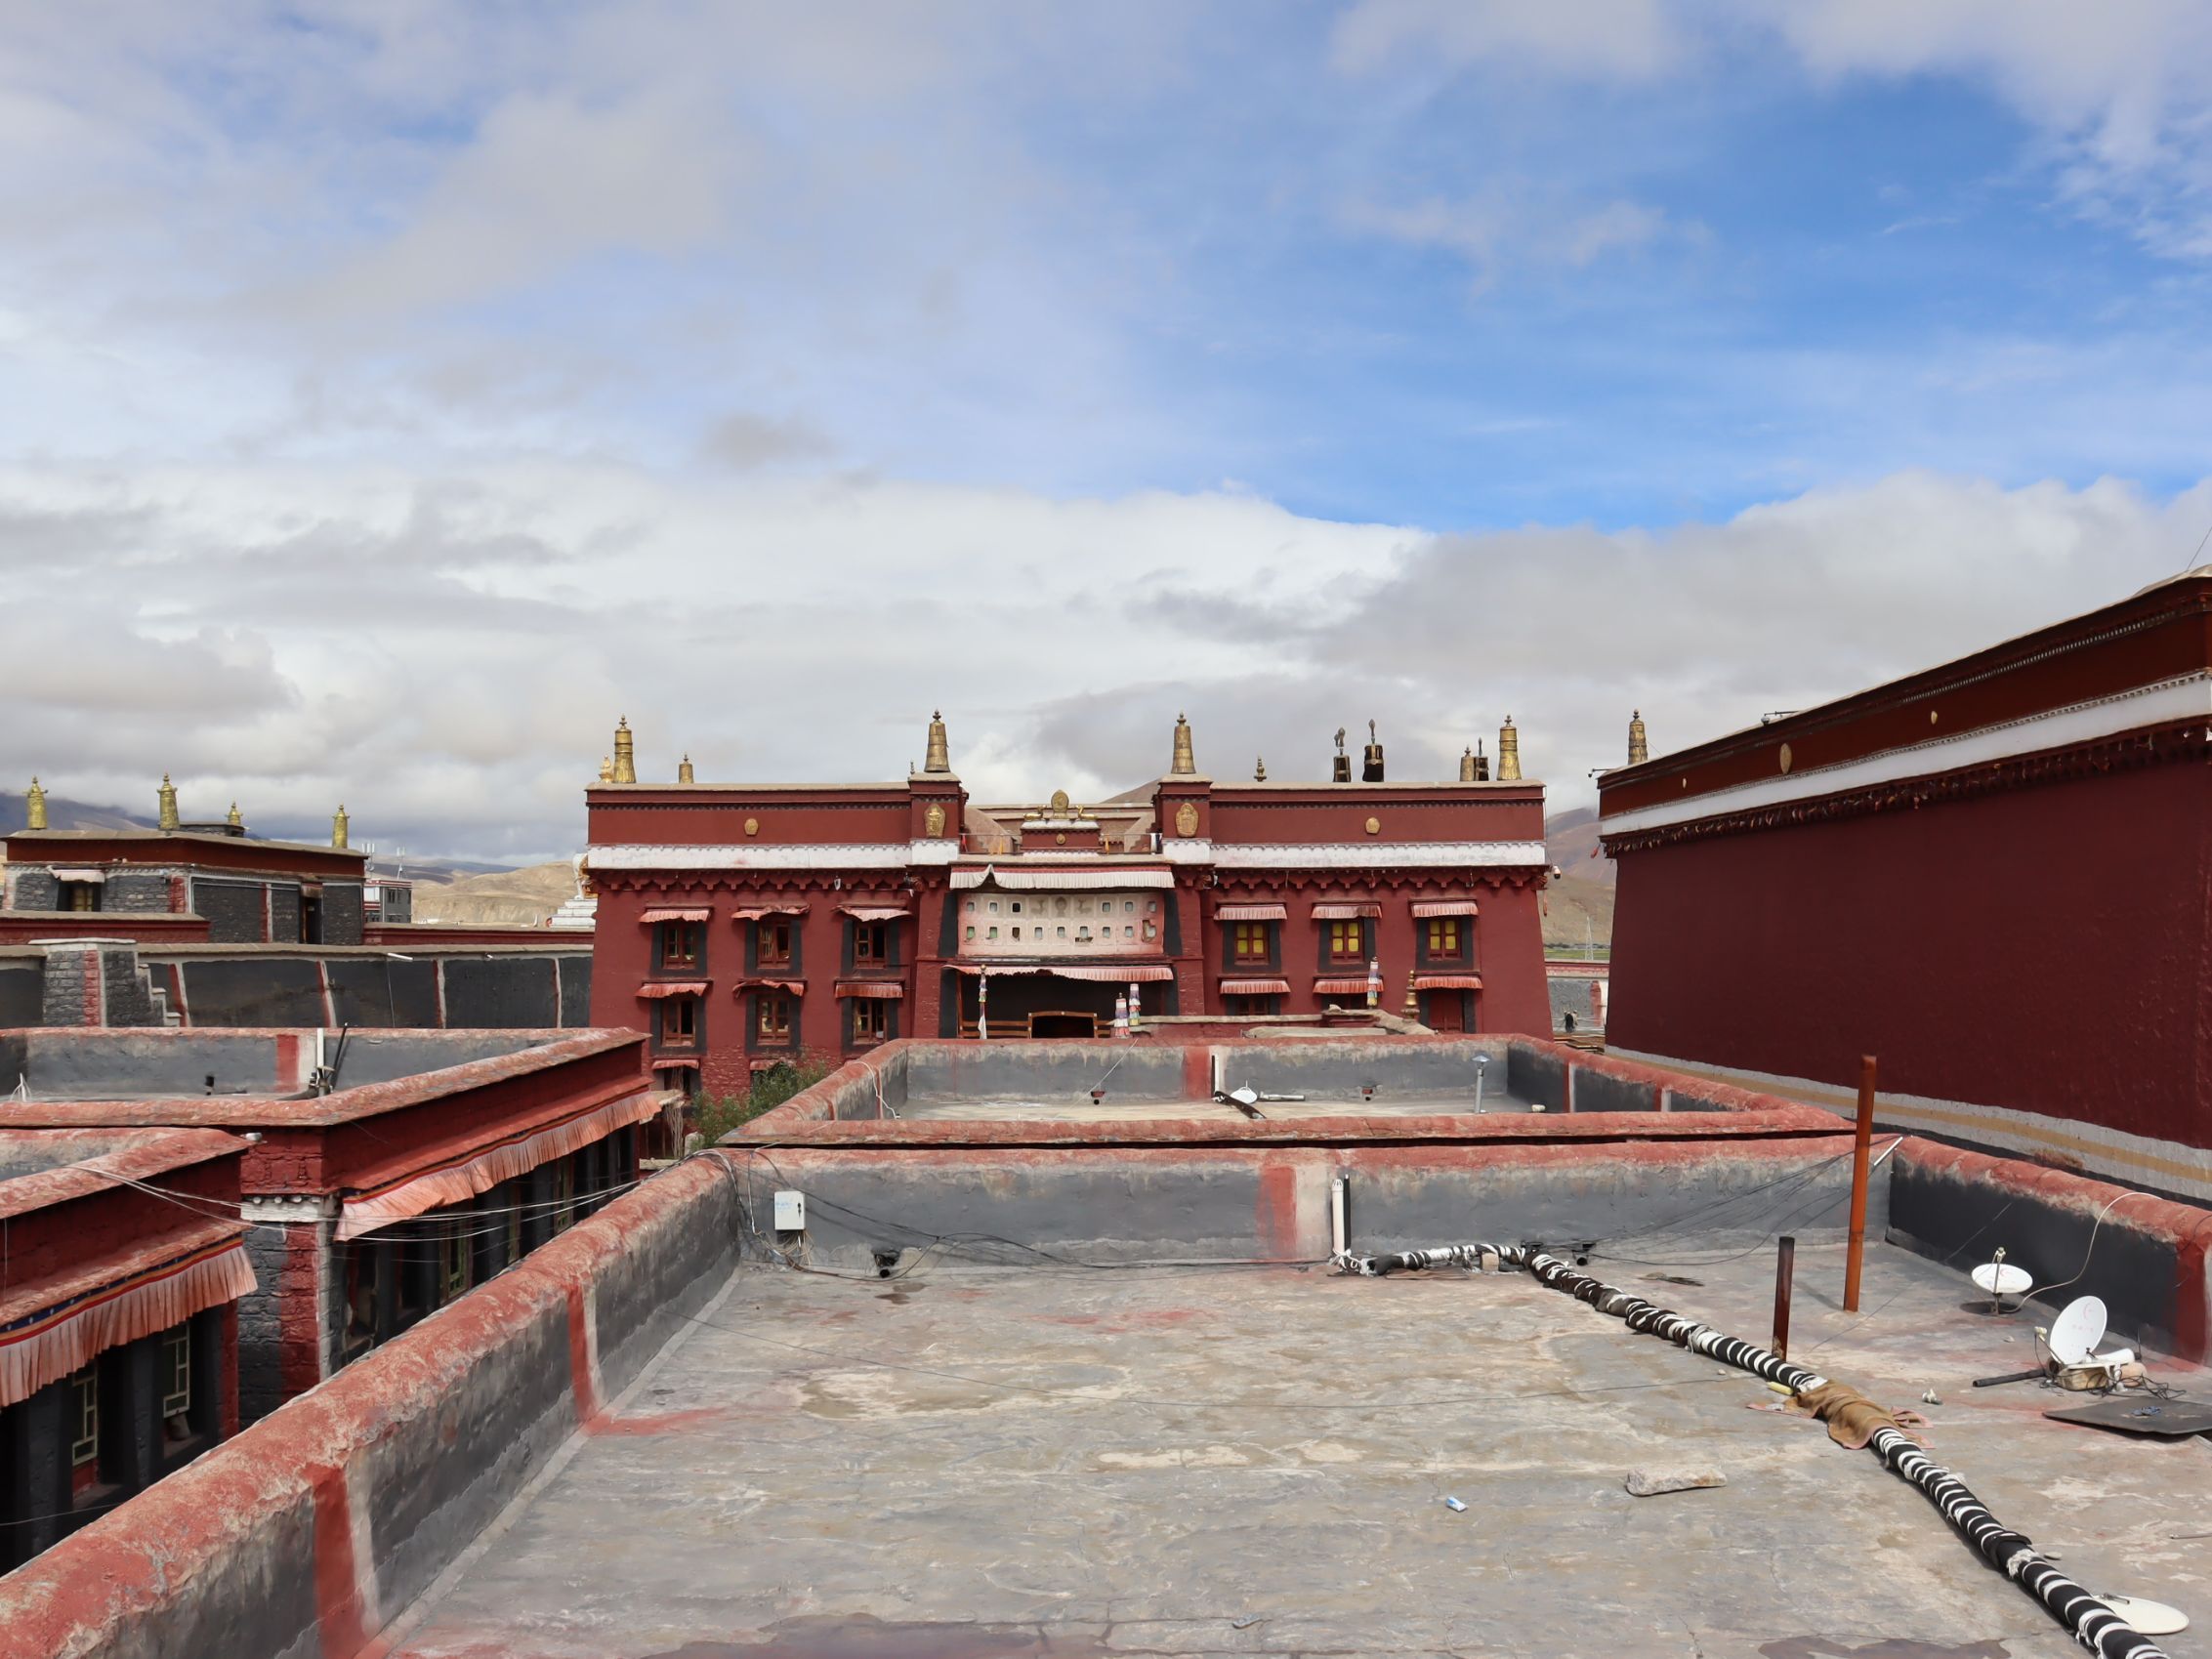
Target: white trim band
850 855
1382 854
2186 698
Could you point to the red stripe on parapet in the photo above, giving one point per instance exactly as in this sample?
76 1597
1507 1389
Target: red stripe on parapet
1198 1072
1276 1214
95 991
337 1576
580 1355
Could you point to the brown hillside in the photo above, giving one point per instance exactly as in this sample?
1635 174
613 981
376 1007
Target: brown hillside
1571 839
524 897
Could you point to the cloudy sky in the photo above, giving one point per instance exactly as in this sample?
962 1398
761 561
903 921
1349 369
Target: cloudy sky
392 393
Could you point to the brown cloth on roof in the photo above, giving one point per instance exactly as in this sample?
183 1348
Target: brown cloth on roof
1851 1418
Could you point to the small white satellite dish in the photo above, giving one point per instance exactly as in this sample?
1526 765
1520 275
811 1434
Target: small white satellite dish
2147 1618
1998 1279
2078 1329
1248 1096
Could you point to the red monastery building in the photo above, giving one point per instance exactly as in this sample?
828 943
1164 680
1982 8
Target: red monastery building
1992 876
744 923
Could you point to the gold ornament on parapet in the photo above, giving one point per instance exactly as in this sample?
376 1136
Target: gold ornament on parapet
1187 821
932 821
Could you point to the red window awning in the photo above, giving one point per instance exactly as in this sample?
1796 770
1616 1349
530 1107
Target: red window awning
1445 907
754 912
675 1063
675 988
1123 974
1342 985
1335 910
789 987
876 912
883 988
1447 982
1255 987
44 1338
700 915
458 1181
1249 913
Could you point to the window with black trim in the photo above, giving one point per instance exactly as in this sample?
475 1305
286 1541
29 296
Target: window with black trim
78 896
678 1022
1446 939
871 943
1251 944
679 945
1246 1008
772 938
775 1019
1345 944
84 1430
870 1019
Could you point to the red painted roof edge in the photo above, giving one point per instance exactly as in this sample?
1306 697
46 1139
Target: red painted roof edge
164 1151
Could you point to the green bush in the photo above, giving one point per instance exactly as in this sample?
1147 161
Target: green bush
716 1115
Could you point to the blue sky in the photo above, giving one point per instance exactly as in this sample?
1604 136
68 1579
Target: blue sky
414 388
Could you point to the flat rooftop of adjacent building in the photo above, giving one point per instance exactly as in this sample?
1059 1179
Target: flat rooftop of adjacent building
988 1461
1326 1104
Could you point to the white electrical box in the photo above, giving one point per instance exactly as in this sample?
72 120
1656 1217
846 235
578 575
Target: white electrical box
790 1211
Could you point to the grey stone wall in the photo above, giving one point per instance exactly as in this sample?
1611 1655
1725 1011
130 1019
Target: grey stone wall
137 891
233 910
260 1327
68 967
340 913
32 889
284 914
23 995
130 999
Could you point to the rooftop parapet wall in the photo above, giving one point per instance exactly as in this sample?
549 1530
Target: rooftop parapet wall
312 1529
124 1065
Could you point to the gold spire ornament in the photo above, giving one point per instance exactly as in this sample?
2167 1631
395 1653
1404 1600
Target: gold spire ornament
938 757
683 771
1639 751
1467 766
1260 770
625 753
1509 752
237 819
34 807
167 797
607 768
1185 762
338 826
1412 1000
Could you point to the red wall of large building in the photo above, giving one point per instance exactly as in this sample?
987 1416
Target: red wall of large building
2042 948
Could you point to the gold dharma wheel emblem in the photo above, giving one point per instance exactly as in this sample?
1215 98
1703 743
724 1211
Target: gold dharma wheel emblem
1374 826
1187 819
1786 756
752 826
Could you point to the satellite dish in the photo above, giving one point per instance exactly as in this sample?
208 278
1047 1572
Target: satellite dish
2078 1329
2147 1618
1248 1096
2000 1280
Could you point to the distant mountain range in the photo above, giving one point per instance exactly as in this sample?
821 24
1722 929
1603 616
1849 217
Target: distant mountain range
64 813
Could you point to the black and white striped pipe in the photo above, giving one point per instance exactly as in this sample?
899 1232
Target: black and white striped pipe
2094 1625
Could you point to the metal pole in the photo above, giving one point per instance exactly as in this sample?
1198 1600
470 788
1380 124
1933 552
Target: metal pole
1858 1152
1785 1276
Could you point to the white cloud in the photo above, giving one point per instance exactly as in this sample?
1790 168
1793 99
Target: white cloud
449 658
1507 227
1596 39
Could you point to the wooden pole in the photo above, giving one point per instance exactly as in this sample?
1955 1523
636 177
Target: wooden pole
1864 1142
1785 1276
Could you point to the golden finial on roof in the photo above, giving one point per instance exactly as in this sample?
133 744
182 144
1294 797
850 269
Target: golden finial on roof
338 826
1467 766
607 768
1185 764
938 757
167 797
1260 770
1509 752
237 819
683 771
1639 751
625 753
1412 1000
34 807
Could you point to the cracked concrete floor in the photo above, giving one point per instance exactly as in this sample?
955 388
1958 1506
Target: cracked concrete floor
1082 1463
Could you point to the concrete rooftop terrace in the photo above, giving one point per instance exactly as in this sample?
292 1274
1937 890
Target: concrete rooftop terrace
1112 1400
1048 1460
